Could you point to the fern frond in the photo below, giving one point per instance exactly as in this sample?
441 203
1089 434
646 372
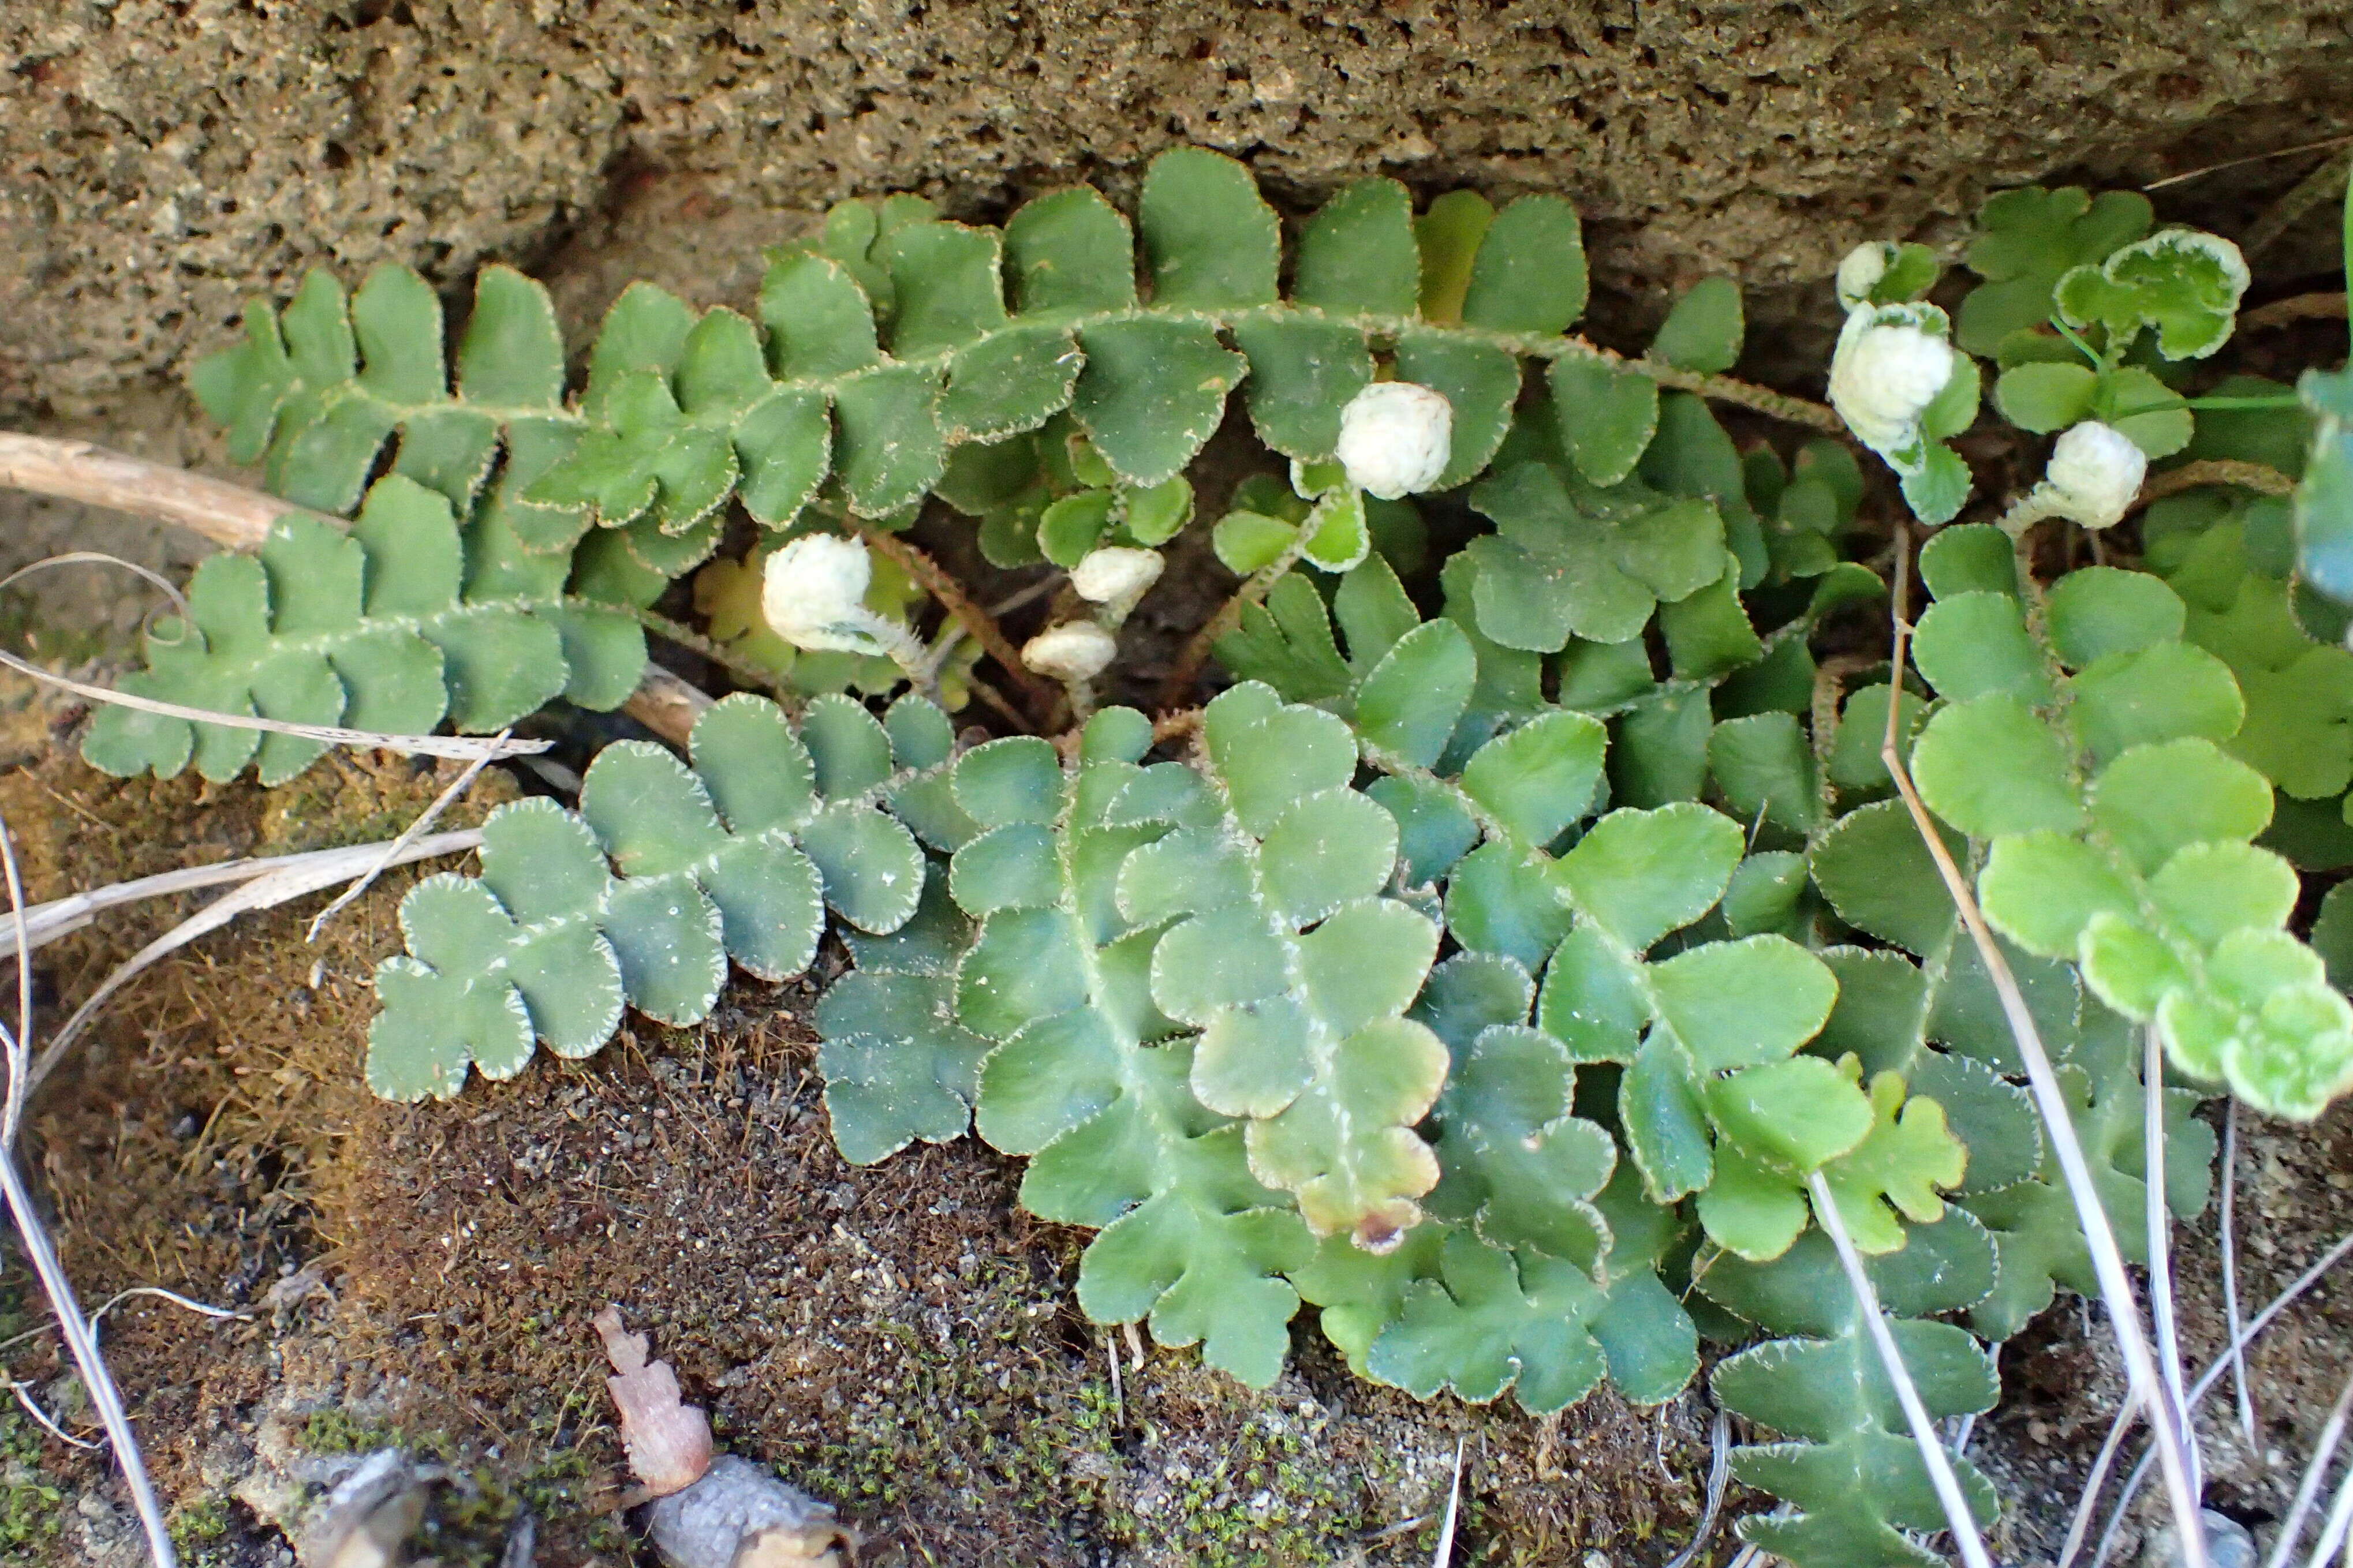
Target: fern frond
1042 965
898 337
1848 1463
643 895
404 621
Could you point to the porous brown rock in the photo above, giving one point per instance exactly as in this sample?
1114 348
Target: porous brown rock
161 160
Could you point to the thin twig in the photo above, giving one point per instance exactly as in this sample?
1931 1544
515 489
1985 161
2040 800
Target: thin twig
2227 1226
2324 180
1907 1394
2258 477
1719 1473
78 471
48 1423
667 705
976 622
1781 405
999 704
1195 655
1029 595
2204 169
2325 307
155 579
2108 1262
1182 724
1118 1394
202 1309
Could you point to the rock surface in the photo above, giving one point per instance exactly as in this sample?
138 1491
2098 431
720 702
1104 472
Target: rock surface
160 160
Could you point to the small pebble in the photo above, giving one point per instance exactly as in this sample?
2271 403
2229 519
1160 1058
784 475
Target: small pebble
2228 1544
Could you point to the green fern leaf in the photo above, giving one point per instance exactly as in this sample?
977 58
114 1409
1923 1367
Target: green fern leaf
1848 1464
1082 1071
402 621
1302 1027
2120 830
643 896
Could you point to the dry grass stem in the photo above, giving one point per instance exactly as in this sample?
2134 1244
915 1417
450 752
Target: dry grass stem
1445 1552
2227 1231
2205 1384
2160 1217
299 875
2204 169
2096 1480
46 922
2326 180
408 836
2332 1534
2307 1490
1719 1474
459 746
81 1336
2260 477
2321 307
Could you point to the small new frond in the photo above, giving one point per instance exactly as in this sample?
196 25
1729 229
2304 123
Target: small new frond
644 895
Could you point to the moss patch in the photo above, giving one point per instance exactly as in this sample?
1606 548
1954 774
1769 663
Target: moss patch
178 1144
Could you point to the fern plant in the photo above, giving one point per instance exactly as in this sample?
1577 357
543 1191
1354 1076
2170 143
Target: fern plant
1527 939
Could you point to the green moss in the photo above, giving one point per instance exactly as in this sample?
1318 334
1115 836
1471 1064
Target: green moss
467 1522
330 1430
201 1522
201 1530
1269 1503
973 1418
28 1503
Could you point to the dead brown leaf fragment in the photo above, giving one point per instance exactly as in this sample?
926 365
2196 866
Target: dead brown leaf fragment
669 1440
